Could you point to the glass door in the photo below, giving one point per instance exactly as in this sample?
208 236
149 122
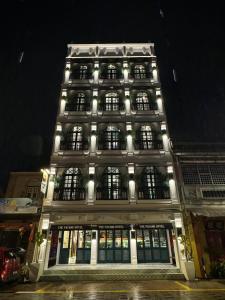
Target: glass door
152 245
114 246
75 247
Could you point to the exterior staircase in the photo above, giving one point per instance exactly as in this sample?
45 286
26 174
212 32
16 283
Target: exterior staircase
111 274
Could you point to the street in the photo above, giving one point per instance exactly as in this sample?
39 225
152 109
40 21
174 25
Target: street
121 290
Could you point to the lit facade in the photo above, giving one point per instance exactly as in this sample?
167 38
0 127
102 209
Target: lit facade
112 196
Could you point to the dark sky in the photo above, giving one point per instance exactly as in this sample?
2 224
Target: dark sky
190 39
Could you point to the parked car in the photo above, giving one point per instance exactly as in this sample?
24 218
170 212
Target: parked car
9 265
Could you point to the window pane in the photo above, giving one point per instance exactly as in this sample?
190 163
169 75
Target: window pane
102 239
109 239
118 238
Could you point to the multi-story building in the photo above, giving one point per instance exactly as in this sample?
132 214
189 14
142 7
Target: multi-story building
201 177
112 196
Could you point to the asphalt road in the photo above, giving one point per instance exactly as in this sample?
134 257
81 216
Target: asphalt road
121 290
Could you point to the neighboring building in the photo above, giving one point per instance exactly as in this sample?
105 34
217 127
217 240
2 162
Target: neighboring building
20 211
111 195
201 174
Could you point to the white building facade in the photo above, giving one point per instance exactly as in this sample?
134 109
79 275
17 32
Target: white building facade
112 196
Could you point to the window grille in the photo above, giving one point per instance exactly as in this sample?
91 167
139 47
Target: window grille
71 188
83 71
203 174
111 102
112 138
111 72
142 101
77 103
74 139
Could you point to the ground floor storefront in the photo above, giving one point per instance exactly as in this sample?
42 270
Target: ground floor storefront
111 244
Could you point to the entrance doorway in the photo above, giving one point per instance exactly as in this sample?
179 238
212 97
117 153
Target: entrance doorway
152 245
75 247
113 246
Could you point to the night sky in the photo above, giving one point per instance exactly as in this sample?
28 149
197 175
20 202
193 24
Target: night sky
189 38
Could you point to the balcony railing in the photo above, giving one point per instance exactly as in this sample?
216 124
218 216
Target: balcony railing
73 106
76 75
148 145
73 146
151 105
152 193
112 145
69 194
111 194
141 76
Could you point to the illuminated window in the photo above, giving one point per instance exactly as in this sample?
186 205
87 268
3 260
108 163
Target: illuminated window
112 182
112 138
142 101
139 72
111 72
74 139
71 188
111 102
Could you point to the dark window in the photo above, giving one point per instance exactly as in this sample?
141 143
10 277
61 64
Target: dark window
112 138
77 103
72 185
203 174
153 185
83 71
74 139
139 72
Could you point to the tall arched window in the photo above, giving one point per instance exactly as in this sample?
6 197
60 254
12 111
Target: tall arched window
142 101
74 139
111 102
71 188
152 184
139 72
112 183
145 137
111 72
112 138
83 71
77 103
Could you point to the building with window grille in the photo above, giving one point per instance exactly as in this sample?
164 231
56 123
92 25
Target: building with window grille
201 177
112 196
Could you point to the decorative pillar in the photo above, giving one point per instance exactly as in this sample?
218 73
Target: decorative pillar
96 72
94 247
176 245
127 102
130 147
63 102
164 136
95 102
125 71
131 183
133 247
154 72
159 101
91 185
67 72
93 138
57 138
172 184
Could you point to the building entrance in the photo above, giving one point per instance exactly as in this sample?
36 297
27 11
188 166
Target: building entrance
152 245
113 246
75 247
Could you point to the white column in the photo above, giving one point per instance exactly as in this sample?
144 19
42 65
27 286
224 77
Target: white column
95 102
133 247
169 245
165 139
130 146
176 246
159 101
94 247
63 102
125 72
127 102
154 72
57 138
172 184
131 183
67 72
91 185
93 138
50 187
96 72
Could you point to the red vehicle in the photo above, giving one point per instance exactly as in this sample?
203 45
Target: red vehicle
9 265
